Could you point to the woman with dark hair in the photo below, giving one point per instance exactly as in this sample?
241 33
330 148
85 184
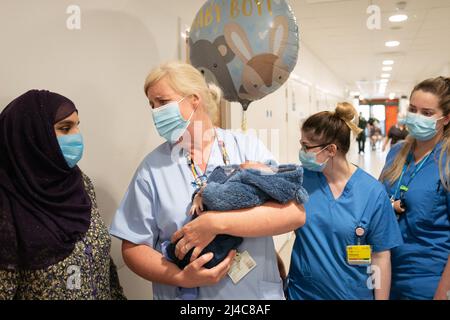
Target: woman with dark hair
416 176
343 250
53 242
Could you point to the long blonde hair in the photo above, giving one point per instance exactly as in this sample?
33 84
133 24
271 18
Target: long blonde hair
440 87
187 80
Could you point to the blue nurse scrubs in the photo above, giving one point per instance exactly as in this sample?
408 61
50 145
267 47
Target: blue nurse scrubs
157 204
418 264
319 268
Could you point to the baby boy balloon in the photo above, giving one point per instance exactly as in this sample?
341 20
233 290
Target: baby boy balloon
247 47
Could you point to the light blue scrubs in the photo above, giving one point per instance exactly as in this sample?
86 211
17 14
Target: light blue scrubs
418 264
158 200
319 268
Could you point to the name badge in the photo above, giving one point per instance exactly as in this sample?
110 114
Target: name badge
359 255
243 263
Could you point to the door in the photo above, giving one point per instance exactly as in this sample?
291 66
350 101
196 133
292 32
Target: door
391 117
298 109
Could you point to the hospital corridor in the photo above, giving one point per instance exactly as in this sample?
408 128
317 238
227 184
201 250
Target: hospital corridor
225 150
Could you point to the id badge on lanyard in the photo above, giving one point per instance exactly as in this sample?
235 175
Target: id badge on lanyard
242 264
358 254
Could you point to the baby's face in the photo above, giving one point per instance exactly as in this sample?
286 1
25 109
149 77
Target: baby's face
255 165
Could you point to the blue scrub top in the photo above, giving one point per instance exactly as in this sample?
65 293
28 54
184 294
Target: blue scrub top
418 264
319 268
157 204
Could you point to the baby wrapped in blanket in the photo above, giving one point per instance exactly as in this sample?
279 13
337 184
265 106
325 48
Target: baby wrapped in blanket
236 187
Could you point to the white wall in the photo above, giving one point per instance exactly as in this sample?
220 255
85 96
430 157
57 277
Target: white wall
102 68
445 70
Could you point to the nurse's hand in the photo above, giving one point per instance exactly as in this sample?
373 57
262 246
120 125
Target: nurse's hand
397 208
195 275
440 296
196 234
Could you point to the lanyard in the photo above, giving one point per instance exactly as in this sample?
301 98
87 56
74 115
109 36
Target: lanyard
199 177
405 167
360 230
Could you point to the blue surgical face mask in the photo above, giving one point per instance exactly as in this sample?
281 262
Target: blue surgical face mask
309 160
420 127
72 148
169 122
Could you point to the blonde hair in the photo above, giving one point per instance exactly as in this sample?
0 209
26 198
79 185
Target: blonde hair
187 80
440 87
334 127
347 112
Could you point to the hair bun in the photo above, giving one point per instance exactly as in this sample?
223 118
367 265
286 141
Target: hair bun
345 111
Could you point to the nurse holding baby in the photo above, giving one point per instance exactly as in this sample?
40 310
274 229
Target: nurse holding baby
156 206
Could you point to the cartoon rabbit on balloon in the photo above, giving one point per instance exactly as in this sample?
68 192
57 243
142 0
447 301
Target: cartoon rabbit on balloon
265 72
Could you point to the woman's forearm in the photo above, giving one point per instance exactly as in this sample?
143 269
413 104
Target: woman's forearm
266 220
444 283
382 260
150 264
